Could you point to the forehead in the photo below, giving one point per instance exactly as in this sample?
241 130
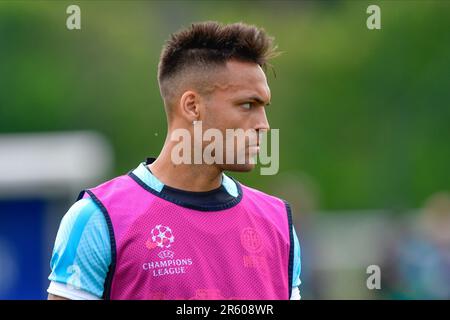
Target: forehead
241 79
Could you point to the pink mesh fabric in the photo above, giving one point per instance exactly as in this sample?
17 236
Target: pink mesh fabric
166 251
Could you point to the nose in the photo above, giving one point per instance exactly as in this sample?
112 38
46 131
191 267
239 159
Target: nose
262 124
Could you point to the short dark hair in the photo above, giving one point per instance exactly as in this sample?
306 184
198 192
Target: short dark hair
207 44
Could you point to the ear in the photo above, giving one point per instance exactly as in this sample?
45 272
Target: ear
190 105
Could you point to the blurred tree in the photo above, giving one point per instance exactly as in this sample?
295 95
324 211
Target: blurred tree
365 113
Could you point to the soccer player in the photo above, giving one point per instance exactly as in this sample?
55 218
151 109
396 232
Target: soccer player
171 230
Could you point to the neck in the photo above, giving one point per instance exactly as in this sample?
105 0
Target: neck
189 177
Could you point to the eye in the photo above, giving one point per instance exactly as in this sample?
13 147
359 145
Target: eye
246 105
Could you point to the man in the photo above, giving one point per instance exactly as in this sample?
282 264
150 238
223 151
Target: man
171 230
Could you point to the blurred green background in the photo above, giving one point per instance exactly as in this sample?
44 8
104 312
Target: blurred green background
363 114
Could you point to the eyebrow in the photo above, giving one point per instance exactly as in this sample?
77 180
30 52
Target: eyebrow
257 99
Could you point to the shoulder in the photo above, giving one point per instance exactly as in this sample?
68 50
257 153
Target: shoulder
82 216
83 228
83 222
260 196
83 209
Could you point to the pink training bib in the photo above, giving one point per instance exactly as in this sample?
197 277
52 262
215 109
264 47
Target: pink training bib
163 250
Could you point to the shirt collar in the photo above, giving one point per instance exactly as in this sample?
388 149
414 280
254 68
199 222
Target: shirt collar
145 175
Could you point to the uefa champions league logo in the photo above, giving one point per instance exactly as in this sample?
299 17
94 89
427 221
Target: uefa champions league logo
161 237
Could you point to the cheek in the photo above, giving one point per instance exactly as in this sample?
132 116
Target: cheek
222 116
211 120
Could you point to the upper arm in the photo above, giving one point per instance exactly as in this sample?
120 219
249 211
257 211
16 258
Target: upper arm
82 253
297 261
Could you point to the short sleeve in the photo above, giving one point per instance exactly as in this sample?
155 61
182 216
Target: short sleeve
82 253
297 261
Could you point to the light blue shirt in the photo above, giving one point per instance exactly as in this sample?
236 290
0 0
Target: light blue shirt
82 252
